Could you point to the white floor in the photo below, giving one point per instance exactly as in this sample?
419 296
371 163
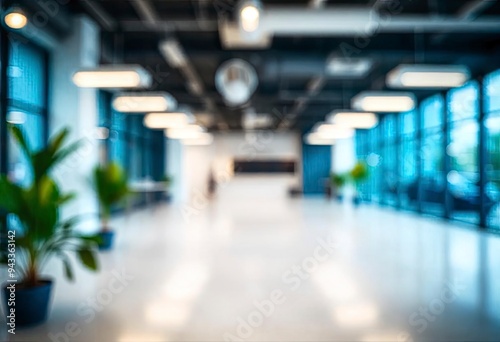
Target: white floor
253 264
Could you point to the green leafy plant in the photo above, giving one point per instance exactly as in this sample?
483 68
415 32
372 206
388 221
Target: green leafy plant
338 180
111 186
359 173
37 208
167 179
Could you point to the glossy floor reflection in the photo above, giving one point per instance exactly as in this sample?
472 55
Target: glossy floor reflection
256 265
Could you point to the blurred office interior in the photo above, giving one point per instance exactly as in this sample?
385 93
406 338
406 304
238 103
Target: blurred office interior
251 170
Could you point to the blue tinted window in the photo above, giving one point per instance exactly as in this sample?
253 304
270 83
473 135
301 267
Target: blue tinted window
492 92
26 105
492 109
463 102
26 75
432 111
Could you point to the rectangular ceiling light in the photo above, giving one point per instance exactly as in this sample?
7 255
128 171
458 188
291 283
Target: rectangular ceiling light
251 120
202 139
173 53
113 76
348 67
428 76
167 120
356 120
383 102
186 132
317 139
144 102
330 131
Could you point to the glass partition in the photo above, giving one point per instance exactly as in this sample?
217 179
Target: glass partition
26 107
463 177
408 173
492 111
432 181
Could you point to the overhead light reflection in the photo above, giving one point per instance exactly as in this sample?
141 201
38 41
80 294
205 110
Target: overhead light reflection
15 18
250 16
356 315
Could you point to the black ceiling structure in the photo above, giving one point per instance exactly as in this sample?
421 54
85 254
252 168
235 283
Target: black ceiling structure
132 31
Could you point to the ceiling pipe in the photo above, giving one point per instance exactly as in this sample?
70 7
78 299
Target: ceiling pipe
101 16
145 10
329 21
354 21
447 24
468 12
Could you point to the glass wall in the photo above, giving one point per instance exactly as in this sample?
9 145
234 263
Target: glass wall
463 177
139 150
390 159
408 172
492 122
27 104
432 182
362 152
374 160
429 160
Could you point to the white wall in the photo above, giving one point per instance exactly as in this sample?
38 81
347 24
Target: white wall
175 168
343 155
192 164
76 109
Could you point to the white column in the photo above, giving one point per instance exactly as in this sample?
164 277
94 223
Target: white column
176 169
76 108
344 159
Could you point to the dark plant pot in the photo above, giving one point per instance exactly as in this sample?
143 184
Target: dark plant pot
31 304
106 240
356 201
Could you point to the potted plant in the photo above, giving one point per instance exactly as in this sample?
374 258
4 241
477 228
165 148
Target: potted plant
111 186
358 174
41 234
338 182
167 180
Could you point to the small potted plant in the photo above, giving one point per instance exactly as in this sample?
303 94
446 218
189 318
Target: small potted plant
358 174
167 181
41 233
338 182
111 186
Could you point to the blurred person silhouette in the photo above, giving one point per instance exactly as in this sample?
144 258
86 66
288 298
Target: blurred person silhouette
212 184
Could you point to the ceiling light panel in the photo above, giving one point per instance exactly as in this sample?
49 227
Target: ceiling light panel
428 76
348 67
318 139
186 132
201 139
383 102
113 76
330 131
356 120
167 120
144 102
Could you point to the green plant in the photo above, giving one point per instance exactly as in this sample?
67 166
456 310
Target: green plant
338 180
359 173
111 186
37 208
167 179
